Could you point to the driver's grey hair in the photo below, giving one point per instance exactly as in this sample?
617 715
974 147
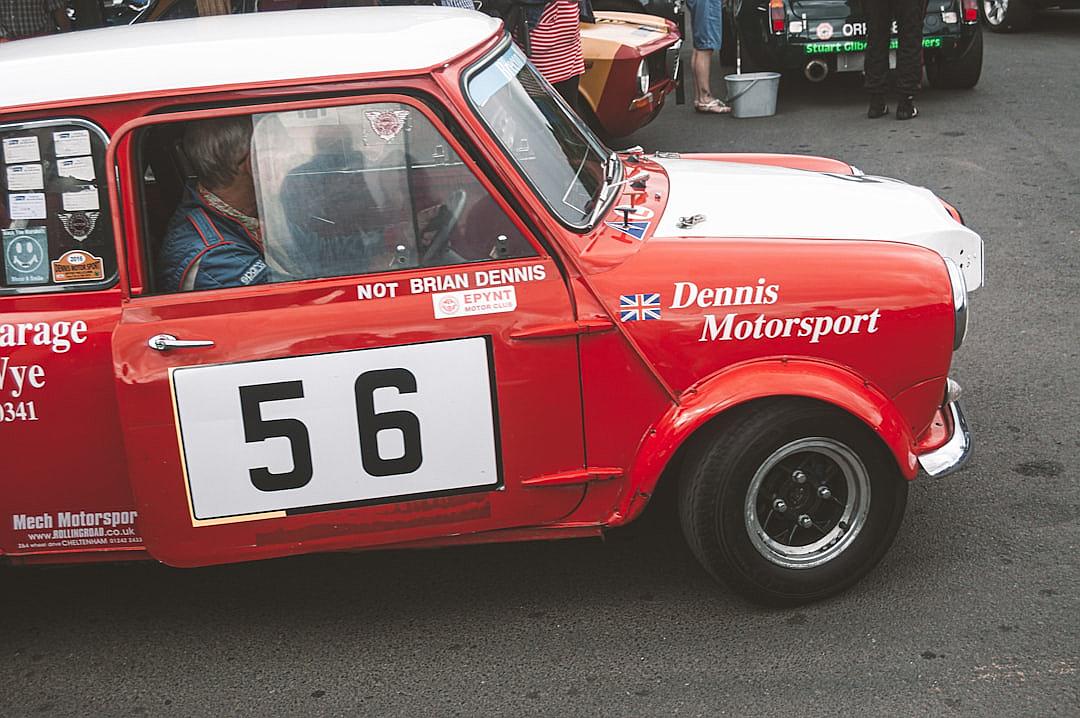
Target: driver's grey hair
216 147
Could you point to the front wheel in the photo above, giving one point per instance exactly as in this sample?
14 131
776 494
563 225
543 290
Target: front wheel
1006 15
790 501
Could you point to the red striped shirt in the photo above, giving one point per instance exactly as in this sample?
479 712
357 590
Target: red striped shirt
555 42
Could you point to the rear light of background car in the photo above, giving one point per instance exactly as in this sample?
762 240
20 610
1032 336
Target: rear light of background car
970 10
777 15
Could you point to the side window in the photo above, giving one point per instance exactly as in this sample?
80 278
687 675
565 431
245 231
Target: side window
321 193
54 218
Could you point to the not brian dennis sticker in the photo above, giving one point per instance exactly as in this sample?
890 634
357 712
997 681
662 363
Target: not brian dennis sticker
470 302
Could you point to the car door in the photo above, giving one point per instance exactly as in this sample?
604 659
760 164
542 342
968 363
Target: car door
386 386
63 487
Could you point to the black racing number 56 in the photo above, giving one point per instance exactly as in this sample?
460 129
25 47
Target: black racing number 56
369 424
256 428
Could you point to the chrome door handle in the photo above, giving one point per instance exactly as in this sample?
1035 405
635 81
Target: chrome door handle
165 342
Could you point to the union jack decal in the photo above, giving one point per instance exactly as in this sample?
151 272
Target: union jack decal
638 307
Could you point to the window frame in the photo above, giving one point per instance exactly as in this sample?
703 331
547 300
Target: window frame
103 187
125 152
486 61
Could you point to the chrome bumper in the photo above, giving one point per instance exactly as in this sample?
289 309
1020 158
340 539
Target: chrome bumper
955 452
672 61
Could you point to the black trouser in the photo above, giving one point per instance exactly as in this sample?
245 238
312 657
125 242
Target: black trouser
909 16
88 14
569 90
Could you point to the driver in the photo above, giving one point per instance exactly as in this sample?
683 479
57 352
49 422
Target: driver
214 238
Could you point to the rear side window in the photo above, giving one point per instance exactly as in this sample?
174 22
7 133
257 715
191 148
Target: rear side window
56 228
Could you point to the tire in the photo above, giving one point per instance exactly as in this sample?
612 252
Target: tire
962 73
1006 15
732 478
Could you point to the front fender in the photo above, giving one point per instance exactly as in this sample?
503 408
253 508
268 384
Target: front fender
760 379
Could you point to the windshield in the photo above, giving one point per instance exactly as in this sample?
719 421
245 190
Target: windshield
563 162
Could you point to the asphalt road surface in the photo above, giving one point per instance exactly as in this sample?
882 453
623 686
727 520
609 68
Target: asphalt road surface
975 611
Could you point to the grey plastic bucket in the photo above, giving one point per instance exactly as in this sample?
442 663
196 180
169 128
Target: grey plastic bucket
753 94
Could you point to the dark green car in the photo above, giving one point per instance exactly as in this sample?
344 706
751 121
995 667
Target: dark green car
821 37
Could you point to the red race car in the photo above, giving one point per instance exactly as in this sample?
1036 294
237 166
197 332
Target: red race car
355 278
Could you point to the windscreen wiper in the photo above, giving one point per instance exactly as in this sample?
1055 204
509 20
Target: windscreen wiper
641 177
611 169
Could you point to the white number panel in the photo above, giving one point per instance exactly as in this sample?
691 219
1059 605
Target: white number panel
301 434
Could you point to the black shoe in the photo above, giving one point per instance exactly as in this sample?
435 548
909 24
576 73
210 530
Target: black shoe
878 108
906 109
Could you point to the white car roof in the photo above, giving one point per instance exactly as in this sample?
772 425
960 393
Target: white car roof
171 55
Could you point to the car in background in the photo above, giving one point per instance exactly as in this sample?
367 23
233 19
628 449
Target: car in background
631 66
670 9
631 59
1016 15
820 37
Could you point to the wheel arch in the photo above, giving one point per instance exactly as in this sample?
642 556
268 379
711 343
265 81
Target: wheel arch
709 403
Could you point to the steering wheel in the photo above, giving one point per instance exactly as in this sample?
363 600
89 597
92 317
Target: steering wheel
448 217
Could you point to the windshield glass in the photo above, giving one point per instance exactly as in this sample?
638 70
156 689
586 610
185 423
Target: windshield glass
563 163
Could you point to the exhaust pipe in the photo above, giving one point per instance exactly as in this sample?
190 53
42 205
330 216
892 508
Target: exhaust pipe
816 70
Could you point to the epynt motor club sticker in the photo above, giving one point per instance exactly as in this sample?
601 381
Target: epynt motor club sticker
491 300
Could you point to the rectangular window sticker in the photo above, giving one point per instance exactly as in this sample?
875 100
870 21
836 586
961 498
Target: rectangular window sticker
26 254
21 149
81 201
80 168
77 266
485 84
30 205
72 142
470 302
23 177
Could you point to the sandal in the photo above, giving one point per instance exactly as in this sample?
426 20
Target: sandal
712 107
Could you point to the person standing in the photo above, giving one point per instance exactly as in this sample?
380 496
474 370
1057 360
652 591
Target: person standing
20 19
909 15
554 47
706 17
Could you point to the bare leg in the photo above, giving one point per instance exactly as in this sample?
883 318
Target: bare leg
700 62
